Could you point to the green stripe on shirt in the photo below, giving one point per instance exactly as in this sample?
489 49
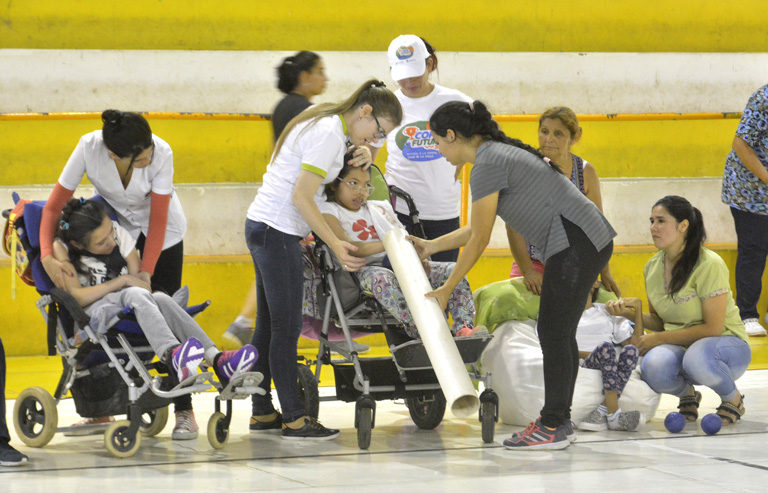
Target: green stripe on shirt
314 169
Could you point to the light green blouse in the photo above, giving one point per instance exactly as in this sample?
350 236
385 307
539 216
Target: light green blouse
708 279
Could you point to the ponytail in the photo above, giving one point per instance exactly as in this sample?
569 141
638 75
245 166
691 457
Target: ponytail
291 67
126 134
679 208
475 119
373 92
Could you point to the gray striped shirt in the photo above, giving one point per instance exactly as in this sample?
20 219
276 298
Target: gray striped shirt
533 197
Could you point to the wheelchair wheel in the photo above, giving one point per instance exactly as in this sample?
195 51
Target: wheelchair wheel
426 408
218 432
153 422
119 442
308 393
364 423
488 420
35 416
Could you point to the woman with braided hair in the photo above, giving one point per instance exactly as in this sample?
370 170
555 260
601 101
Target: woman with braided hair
308 154
514 181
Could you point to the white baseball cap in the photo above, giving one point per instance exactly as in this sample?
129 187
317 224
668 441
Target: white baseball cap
407 57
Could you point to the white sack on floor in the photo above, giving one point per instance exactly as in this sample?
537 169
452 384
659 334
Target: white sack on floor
514 359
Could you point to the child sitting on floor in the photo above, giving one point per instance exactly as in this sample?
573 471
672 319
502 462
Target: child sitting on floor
106 261
597 336
347 213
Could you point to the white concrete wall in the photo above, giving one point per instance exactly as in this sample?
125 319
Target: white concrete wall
216 212
244 81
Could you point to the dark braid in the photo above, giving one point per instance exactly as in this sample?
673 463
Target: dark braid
475 119
679 208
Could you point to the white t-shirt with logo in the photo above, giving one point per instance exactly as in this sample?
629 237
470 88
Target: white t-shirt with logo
95 271
317 146
358 224
414 163
598 326
132 203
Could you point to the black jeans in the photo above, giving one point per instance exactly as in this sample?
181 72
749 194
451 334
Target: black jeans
432 230
568 279
167 278
752 237
5 437
279 293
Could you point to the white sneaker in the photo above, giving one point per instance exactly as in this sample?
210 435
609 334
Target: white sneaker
754 328
186 426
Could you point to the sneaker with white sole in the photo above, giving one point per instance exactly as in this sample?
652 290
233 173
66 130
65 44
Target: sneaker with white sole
236 335
754 328
594 421
186 426
230 364
624 421
538 437
186 358
10 457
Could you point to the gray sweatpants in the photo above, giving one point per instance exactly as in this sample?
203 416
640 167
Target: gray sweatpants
164 323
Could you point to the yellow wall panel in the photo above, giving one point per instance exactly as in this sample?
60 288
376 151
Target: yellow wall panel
215 151
452 25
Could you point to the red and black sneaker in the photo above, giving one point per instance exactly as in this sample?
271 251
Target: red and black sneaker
538 437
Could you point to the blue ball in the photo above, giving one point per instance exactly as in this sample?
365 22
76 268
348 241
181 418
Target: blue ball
674 422
711 424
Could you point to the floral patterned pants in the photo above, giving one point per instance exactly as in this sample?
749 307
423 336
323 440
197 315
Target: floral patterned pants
615 373
382 283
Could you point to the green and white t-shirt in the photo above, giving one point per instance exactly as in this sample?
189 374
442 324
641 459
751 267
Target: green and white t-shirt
317 146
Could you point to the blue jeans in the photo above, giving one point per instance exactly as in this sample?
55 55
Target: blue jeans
715 362
279 293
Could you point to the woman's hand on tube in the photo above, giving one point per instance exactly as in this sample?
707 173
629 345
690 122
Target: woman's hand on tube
57 270
349 262
441 294
423 247
533 280
361 156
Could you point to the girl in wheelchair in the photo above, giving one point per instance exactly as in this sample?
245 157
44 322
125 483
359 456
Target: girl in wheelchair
348 215
107 262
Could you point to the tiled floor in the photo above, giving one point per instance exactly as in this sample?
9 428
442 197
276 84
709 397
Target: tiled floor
403 458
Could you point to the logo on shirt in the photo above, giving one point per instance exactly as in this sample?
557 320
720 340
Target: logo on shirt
416 142
364 231
404 52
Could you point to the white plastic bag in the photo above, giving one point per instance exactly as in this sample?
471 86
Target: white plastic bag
514 359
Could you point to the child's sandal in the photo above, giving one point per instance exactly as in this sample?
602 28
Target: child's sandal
731 413
689 406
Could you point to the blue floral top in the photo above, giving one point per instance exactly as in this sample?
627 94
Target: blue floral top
741 188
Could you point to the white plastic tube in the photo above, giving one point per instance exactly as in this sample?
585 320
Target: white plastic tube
451 372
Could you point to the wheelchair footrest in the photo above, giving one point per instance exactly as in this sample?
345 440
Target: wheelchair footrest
241 386
413 354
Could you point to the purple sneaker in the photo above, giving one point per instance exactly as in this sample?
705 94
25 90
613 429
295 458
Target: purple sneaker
186 358
231 364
